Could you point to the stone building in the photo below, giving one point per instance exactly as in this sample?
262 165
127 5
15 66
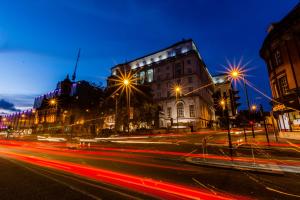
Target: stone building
281 52
177 66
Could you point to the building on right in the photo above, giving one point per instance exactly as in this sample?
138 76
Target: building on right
281 52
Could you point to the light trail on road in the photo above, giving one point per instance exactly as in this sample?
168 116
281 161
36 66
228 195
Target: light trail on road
151 187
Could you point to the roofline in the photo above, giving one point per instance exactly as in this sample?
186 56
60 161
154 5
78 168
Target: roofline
171 46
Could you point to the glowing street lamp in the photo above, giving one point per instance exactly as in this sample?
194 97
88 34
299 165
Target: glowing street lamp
126 82
53 102
253 107
177 91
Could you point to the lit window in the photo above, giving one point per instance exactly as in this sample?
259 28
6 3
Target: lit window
283 84
180 109
192 111
142 77
171 53
150 75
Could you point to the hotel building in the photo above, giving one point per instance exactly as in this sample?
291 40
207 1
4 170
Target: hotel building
179 65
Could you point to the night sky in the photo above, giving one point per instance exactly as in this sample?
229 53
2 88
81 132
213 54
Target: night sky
39 39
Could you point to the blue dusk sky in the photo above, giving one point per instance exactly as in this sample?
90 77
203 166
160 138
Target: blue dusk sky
39 39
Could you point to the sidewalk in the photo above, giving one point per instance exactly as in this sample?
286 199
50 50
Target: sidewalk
271 167
294 135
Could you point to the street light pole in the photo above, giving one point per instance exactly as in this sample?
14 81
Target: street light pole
116 111
224 106
177 90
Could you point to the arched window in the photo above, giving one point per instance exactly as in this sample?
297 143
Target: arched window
180 109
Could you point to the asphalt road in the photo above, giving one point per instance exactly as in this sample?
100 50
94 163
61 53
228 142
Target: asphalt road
39 170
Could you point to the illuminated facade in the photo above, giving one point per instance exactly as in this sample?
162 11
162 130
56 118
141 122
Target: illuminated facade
281 52
71 109
178 65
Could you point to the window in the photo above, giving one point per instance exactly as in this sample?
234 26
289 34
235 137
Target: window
178 69
190 70
142 77
190 79
150 75
277 57
180 109
152 59
178 50
171 53
188 61
168 67
192 111
144 62
159 57
275 90
169 112
270 67
283 85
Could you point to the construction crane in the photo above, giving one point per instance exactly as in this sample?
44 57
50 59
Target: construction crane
76 64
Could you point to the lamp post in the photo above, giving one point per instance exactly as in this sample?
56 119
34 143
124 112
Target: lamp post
253 109
177 90
223 104
116 110
237 74
127 86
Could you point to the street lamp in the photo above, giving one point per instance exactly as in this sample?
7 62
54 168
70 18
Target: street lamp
52 102
177 90
236 74
253 109
125 81
223 105
116 110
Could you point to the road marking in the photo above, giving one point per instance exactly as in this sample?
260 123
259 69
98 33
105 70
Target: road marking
190 153
294 145
204 186
280 192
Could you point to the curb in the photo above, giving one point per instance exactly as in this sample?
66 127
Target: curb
261 169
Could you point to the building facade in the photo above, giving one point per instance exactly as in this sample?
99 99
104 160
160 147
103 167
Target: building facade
73 108
177 66
281 52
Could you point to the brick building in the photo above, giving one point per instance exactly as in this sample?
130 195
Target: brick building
281 52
